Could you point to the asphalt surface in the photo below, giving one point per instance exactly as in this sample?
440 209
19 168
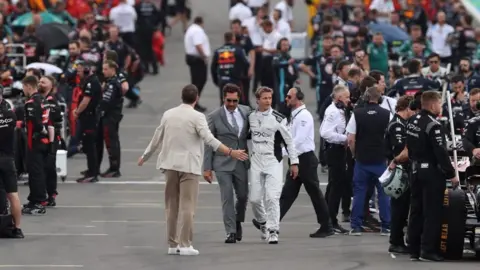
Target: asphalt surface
119 224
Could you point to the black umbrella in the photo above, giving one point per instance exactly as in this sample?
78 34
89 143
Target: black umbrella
53 35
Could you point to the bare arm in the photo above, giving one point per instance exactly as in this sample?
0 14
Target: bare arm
351 143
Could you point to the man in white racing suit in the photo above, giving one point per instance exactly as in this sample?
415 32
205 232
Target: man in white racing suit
268 131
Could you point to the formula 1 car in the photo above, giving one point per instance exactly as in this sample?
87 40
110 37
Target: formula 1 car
461 219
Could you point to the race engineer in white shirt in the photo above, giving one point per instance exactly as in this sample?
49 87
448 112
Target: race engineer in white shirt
286 7
281 26
301 126
332 130
124 16
268 131
239 11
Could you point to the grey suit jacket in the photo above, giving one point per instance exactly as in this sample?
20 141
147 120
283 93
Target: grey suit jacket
224 132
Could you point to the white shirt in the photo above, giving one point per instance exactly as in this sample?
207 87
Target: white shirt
287 12
332 128
238 118
124 17
256 3
239 11
302 129
283 28
383 6
438 35
352 124
194 36
389 103
271 40
255 32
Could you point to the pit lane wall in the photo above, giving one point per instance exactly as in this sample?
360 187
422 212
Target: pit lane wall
473 7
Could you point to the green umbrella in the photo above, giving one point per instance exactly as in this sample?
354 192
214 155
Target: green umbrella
27 19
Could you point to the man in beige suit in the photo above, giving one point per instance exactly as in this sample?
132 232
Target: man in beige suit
180 138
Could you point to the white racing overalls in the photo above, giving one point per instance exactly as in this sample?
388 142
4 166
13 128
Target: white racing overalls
268 131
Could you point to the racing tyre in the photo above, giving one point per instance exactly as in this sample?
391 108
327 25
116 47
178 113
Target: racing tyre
452 237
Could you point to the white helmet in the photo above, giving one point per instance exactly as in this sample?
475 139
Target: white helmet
396 182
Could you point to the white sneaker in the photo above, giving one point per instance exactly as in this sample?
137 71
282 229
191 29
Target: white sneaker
264 231
173 251
273 238
188 251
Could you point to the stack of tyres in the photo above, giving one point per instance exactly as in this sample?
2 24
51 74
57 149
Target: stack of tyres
452 237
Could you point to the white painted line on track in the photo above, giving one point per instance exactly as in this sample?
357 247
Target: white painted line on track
41 266
144 205
66 234
195 222
139 247
162 191
126 182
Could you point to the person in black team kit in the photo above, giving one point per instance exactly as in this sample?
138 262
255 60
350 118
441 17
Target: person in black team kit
414 82
36 120
228 64
8 176
431 167
88 115
111 115
46 85
396 143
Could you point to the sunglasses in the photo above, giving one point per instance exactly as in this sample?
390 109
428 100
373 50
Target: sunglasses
232 100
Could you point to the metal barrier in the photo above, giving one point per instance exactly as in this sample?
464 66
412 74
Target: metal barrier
14 47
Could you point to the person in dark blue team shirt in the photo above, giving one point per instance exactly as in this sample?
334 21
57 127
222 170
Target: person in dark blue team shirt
414 82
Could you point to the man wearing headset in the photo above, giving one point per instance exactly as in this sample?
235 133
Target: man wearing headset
286 73
332 131
302 129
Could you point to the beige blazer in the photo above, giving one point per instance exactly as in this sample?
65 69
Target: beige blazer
180 139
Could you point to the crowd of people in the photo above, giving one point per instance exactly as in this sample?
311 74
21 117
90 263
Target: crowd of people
359 93
368 86
100 69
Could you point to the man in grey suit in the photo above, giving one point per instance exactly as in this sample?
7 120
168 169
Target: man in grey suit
229 124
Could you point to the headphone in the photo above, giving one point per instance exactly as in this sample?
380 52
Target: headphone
279 44
299 94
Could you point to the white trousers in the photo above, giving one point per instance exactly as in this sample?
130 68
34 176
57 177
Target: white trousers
265 190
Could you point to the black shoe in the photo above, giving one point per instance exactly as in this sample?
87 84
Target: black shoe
51 202
231 238
414 257
111 174
83 173
339 229
17 233
34 209
322 232
401 249
425 257
87 179
239 234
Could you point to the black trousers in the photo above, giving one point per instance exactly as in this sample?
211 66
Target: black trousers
308 177
129 38
426 207
36 158
145 50
399 213
89 135
258 71
51 173
198 71
245 100
337 178
108 134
